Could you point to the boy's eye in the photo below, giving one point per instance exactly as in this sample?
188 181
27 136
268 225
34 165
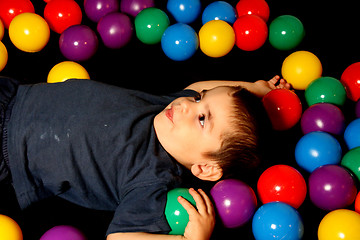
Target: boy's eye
197 98
202 120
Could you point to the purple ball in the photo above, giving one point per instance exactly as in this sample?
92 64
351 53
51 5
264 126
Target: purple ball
115 30
357 109
235 202
96 9
324 117
331 187
63 232
133 7
78 43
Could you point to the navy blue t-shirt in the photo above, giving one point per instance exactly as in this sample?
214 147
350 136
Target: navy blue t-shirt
94 145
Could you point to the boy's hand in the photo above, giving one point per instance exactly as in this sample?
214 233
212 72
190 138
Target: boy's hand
263 87
202 221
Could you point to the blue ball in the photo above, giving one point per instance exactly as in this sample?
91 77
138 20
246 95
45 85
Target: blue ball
352 134
219 10
316 149
179 42
184 11
277 220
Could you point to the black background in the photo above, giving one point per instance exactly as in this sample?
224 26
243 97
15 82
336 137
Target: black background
332 33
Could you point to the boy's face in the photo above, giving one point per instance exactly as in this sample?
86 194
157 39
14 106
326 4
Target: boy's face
190 127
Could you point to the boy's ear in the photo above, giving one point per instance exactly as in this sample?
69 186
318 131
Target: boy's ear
207 171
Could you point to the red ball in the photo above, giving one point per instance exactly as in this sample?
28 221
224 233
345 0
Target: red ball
253 7
250 32
282 183
357 203
11 8
351 81
283 108
61 14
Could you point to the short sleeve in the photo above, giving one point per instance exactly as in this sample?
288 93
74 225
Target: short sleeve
142 210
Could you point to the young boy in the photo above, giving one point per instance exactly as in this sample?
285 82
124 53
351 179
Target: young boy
108 148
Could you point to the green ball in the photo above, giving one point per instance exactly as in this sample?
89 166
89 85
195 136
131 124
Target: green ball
325 90
176 215
351 161
286 32
150 24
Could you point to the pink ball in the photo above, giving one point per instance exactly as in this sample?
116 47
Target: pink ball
63 232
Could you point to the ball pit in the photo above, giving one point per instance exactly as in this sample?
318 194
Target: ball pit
150 61
67 70
253 7
175 213
351 80
219 10
3 56
352 134
184 11
351 161
10 9
63 232
96 9
9 229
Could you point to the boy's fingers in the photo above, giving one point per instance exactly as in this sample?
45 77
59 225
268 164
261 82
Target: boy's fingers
209 204
188 207
200 203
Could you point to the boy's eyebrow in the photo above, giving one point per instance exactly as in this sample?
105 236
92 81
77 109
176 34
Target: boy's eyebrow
203 93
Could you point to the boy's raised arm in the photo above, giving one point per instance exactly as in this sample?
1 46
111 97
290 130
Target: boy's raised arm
260 88
200 226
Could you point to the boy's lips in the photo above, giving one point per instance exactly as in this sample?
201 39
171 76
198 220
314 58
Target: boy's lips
169 113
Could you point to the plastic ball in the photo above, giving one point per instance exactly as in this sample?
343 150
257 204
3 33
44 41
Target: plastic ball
316 149
150 24
63 232
301 68
78 43
67 70
184 11
277 220
331 187
179 42
352 134
96 9
350 78
325 90
342 224
283 108
115 30
175 213
61 14
219 10
3 56
251 32
253 7
10 9
133 7
235 202
9 229
286 32
357 203
29 32
351 161
216 38
282 183
2 30
324 117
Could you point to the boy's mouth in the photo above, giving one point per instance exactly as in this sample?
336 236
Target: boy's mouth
169 113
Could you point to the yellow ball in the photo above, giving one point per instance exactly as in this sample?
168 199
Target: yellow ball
67 70
340 224
9 229
216 38
301 68
1 30
3 56
29 32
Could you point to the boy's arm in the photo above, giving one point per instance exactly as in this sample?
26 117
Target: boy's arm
260 88
200 226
